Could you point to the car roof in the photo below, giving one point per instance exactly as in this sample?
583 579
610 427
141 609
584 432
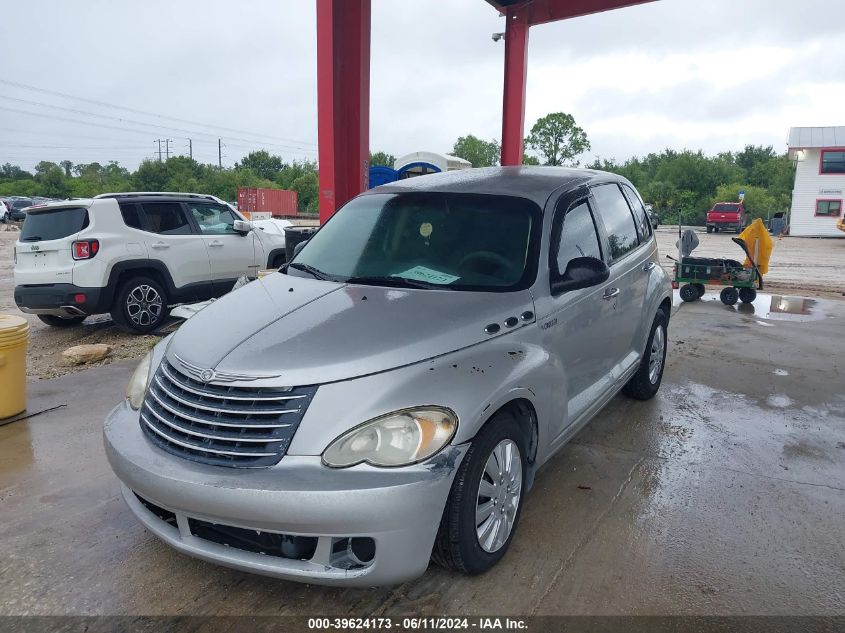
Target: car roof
534 183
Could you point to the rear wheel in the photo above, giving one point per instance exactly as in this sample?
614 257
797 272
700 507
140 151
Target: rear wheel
709 229
646 382
700 289
485 502
747 295
729 296
57 321
140 305
688 292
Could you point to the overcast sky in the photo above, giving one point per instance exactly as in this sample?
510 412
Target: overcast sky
712 75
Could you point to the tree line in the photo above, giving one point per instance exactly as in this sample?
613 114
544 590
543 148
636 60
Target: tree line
679 184
179 173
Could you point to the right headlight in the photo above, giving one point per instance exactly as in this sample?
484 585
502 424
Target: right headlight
400 438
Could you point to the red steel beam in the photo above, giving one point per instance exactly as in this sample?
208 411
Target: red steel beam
516 75
543 11
343 101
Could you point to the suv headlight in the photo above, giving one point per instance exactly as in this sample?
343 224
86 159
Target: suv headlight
137 387
400 438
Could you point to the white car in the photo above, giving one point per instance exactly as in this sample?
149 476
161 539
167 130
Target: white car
134 255
4 212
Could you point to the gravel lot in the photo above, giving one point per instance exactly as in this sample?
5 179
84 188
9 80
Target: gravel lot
803 266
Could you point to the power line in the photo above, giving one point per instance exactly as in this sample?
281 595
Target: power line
145 113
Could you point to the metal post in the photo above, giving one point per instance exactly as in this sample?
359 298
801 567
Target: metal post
343 100
220 153
516 73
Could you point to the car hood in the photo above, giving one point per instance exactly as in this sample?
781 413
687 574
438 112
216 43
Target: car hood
310 332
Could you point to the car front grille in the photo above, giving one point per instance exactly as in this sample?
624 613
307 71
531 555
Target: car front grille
242 427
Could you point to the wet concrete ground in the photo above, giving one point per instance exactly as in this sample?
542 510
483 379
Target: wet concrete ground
724 495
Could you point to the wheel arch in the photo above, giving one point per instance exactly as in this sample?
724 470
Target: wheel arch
121 272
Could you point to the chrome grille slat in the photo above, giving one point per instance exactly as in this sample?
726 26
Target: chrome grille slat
209 422
227 425
204 449
206 407
205 394
209 436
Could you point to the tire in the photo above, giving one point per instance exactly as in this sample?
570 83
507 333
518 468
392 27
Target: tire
729 296
688 292
458 545
715 229
699 289
57 321
278 261
709 229
645 384
140 306
747 295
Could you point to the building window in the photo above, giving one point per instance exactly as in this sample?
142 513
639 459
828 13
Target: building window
833 161
829 208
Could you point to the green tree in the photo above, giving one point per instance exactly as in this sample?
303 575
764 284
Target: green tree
263 163
51 180
558 139
307 189
67 166
759 202
13 172
479 152
530 160
382 158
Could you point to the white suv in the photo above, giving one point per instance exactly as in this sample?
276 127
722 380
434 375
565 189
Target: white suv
134 255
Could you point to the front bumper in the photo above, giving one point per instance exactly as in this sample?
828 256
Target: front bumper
399 509
59 299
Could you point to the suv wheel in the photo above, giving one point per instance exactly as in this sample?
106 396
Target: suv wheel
485 502
57 321
140 305
646 382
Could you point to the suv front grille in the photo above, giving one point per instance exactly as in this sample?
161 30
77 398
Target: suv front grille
243 427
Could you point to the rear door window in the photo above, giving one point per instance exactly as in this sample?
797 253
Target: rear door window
54 224
640 214
618 220
577 237
167 218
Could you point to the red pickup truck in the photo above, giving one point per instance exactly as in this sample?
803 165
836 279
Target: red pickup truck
726 215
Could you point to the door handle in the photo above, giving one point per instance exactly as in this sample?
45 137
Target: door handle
648 266
610 293
215 243
160 245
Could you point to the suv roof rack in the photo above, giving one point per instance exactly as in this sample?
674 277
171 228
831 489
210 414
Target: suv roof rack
153 194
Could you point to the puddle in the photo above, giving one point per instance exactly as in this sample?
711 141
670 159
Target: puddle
779 401
780 372
771 307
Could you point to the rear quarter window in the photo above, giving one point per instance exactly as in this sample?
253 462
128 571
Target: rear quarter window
54 224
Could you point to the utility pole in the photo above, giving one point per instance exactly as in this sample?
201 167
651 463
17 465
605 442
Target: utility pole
220 153
158 140
190 149
167 143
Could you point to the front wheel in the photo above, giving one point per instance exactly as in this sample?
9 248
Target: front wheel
688 292
485 501
747 295
729 296
140 306
646 382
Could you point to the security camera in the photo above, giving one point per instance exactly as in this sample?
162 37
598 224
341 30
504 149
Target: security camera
497 36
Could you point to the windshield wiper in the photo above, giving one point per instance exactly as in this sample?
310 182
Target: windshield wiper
314 272
397 282
32 238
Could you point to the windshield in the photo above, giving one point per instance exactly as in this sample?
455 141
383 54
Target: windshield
53 224
21 204
730 208
434 240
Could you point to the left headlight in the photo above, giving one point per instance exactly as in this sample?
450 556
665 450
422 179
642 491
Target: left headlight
400 438
137 387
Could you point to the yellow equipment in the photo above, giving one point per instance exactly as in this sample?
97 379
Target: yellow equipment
759 243
14 333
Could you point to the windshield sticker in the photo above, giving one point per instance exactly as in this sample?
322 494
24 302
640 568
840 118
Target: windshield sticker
422 273
426 229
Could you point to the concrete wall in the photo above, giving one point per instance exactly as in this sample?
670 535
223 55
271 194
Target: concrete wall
811 186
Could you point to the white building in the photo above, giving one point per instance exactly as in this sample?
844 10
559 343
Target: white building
421 163
819 191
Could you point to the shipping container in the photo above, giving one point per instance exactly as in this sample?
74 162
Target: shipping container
278 202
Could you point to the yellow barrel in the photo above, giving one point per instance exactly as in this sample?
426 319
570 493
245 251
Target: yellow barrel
14 332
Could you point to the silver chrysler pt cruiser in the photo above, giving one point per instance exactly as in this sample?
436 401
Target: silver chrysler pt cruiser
387 397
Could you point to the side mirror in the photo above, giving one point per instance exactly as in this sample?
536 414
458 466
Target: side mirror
242 226
299 247
581 272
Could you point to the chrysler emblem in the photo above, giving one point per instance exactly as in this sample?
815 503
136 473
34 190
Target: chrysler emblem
207 375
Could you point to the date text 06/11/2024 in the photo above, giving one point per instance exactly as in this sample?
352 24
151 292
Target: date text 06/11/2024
417 624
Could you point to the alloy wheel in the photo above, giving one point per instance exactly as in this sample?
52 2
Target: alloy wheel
655 360
499 494
144 305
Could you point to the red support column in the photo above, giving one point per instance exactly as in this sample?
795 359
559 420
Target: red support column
516 73
343 100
